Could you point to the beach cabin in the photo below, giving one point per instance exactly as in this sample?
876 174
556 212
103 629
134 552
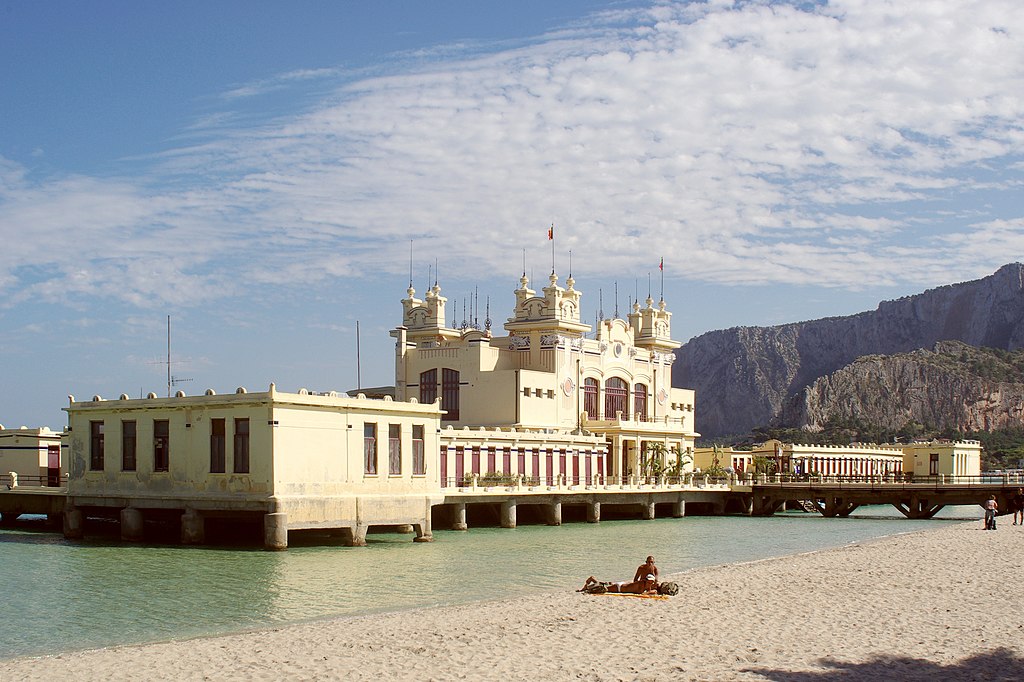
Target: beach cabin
290 461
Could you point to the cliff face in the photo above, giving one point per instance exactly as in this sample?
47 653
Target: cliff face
743 376
953 386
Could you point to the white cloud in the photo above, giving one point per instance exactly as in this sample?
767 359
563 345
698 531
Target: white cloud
752 142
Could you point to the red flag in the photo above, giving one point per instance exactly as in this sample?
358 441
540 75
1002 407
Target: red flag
661 266
551 232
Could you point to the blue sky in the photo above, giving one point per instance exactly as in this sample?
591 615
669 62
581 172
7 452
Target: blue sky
257 171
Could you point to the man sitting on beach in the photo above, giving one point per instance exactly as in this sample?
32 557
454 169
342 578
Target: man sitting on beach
648 585
644 569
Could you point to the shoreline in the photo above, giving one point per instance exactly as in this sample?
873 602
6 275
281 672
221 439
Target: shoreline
908 605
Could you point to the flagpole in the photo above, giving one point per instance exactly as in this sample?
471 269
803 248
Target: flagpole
661 267
552 233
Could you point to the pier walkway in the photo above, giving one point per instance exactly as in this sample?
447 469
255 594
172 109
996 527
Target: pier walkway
916 498
31 495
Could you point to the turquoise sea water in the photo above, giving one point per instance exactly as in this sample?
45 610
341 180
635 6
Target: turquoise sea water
62 596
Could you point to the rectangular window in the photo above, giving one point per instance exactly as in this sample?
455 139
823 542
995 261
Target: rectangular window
242 446
96 446
933 464
491 457
218 440
450 394
474 464
370 449
128 443
419 462
161 445
394 449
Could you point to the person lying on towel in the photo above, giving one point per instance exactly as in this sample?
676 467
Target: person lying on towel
646 585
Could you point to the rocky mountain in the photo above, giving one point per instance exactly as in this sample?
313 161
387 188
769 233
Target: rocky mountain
951 386
744 376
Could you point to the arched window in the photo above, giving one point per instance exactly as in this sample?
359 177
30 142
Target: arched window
590 403
428 386
450 394
640 402
616 395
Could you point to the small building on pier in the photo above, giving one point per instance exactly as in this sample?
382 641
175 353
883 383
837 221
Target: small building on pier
31 457
289 460
943 458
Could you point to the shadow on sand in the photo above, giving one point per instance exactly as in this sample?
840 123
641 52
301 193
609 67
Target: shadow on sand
996 665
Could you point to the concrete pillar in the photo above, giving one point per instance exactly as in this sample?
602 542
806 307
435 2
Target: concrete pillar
555 514
594 512
422 531
72 523
359 535
679 509
648 510
193 528
508 514
275 531
459 517
131 524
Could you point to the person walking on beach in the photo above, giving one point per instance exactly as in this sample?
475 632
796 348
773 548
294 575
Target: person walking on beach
991 507
1018 503
645 569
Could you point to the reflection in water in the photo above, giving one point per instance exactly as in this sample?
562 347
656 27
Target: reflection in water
97 593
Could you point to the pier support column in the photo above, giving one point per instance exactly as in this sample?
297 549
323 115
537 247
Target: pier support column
647 509
131 524
679 509
424 531
72 523
508 514
193 528
358 535
275 531
459 517
555 514
594 512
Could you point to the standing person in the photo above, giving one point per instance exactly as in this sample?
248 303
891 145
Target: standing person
1018 502
991 507
645 569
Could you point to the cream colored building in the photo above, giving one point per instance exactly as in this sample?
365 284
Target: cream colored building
943 458
297 460
30 457
551 374
931 458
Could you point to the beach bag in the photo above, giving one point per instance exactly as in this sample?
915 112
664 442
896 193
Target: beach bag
597 588
670 589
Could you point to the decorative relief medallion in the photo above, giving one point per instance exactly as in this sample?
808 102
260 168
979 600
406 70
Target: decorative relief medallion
518 342
568 387
662 396
617 350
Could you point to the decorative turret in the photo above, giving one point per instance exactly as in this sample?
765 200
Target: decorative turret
425 320
558 311
652 327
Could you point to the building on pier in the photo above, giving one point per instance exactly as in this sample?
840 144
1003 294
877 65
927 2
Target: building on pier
548 375
923 458
943 458
543 406
294 460
31 457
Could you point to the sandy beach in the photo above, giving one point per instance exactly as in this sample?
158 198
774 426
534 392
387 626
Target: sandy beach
941 604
